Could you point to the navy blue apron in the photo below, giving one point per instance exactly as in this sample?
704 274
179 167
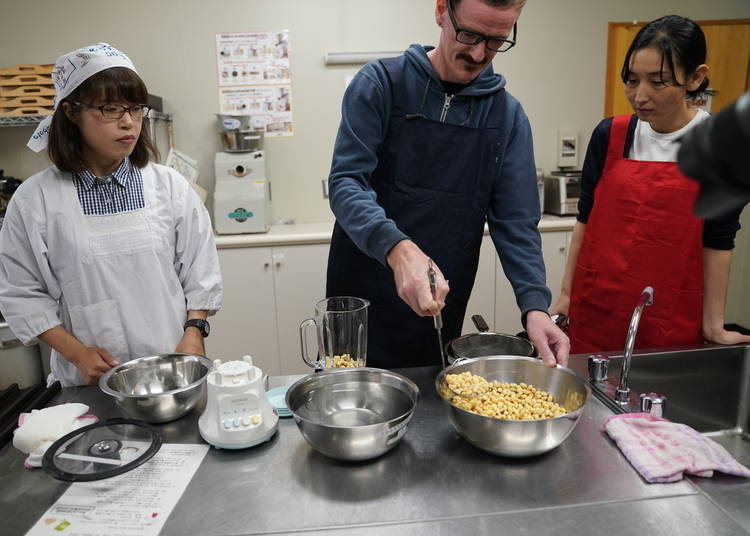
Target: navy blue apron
434 180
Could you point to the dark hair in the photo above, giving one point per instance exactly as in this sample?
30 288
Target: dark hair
116 83
680 40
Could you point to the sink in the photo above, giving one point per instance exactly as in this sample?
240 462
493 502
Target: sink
707 388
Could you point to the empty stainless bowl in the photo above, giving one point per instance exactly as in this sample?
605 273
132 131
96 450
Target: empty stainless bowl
353 414
157 388
517 438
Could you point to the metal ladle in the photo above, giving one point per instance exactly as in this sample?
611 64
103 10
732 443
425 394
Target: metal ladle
438 318
438 321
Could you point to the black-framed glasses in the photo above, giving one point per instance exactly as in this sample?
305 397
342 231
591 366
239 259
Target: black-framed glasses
116 111
468 37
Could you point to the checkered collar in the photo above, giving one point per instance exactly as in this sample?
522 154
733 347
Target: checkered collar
121 175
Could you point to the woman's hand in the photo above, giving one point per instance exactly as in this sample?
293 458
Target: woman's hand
191 343
92 363
561 306
722 336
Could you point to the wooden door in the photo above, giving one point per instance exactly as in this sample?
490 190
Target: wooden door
728 58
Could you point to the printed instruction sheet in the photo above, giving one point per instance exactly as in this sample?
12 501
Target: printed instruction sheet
254 78
135 503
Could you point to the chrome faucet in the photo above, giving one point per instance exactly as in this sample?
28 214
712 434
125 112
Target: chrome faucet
623 391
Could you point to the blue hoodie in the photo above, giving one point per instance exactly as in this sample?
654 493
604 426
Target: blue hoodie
514 208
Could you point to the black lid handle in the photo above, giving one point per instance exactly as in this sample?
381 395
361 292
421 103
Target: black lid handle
480 323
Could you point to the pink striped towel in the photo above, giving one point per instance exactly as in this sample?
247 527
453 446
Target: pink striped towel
663 451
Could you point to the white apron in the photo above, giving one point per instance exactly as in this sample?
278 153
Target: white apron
122 282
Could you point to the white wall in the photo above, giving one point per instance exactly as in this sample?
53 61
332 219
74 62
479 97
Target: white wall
557 70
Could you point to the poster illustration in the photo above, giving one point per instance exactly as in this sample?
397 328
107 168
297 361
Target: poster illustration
254 78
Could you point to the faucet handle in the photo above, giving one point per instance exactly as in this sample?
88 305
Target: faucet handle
598 365
654 404
648 292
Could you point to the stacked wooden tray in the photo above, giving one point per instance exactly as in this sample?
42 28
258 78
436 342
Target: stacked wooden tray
26 90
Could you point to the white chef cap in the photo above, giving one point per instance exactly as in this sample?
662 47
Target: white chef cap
70 71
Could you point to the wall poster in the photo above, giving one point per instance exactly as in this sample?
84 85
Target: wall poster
254 79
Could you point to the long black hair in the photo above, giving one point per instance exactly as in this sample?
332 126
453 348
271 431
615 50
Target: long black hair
680 40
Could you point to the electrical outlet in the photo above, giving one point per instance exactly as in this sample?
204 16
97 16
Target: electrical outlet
567 149
325 188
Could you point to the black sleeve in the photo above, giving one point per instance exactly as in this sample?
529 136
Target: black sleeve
593 165
719 233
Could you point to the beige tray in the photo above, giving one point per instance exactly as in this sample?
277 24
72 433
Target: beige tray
25 80
25 110
26 91
15 102
27 69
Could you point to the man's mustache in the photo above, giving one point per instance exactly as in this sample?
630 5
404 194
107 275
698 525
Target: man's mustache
468 59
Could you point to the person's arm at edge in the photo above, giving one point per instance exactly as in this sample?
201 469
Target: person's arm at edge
716 264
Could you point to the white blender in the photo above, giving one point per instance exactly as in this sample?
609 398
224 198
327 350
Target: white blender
238 414
242 191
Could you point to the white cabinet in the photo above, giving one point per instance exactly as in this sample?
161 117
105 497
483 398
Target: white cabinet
300 282
246 323
482 299
554 250
268 291
507 315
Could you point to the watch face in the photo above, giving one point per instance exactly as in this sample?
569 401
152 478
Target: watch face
206 328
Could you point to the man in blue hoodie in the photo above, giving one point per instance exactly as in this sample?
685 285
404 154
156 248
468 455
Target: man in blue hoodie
431 146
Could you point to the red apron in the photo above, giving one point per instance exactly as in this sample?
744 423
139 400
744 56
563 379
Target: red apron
641 232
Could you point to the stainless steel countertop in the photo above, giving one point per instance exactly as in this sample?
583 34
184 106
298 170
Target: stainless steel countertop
432 482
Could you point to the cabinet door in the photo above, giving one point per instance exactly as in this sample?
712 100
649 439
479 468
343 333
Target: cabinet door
300 279
554 251
482 299
246 323
507 315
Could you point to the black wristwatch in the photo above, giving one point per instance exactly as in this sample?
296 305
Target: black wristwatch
202 325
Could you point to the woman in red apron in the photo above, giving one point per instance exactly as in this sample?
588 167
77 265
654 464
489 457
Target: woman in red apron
635 226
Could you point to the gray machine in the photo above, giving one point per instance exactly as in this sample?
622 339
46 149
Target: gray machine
561 192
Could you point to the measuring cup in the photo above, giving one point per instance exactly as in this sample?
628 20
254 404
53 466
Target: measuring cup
341 329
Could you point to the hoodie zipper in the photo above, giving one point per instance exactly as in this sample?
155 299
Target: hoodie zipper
446 105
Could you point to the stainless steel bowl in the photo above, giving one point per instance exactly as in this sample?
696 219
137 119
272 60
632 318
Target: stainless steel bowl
353 414
242 141
517 438
158 388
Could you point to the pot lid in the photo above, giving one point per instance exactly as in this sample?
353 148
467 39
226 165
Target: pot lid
101 450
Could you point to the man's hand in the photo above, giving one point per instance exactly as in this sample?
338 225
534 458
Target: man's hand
409 265
552 345
92 362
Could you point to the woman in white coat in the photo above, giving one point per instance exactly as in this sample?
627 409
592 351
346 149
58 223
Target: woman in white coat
105 256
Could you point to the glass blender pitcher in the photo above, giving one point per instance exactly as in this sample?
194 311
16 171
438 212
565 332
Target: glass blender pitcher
341 329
